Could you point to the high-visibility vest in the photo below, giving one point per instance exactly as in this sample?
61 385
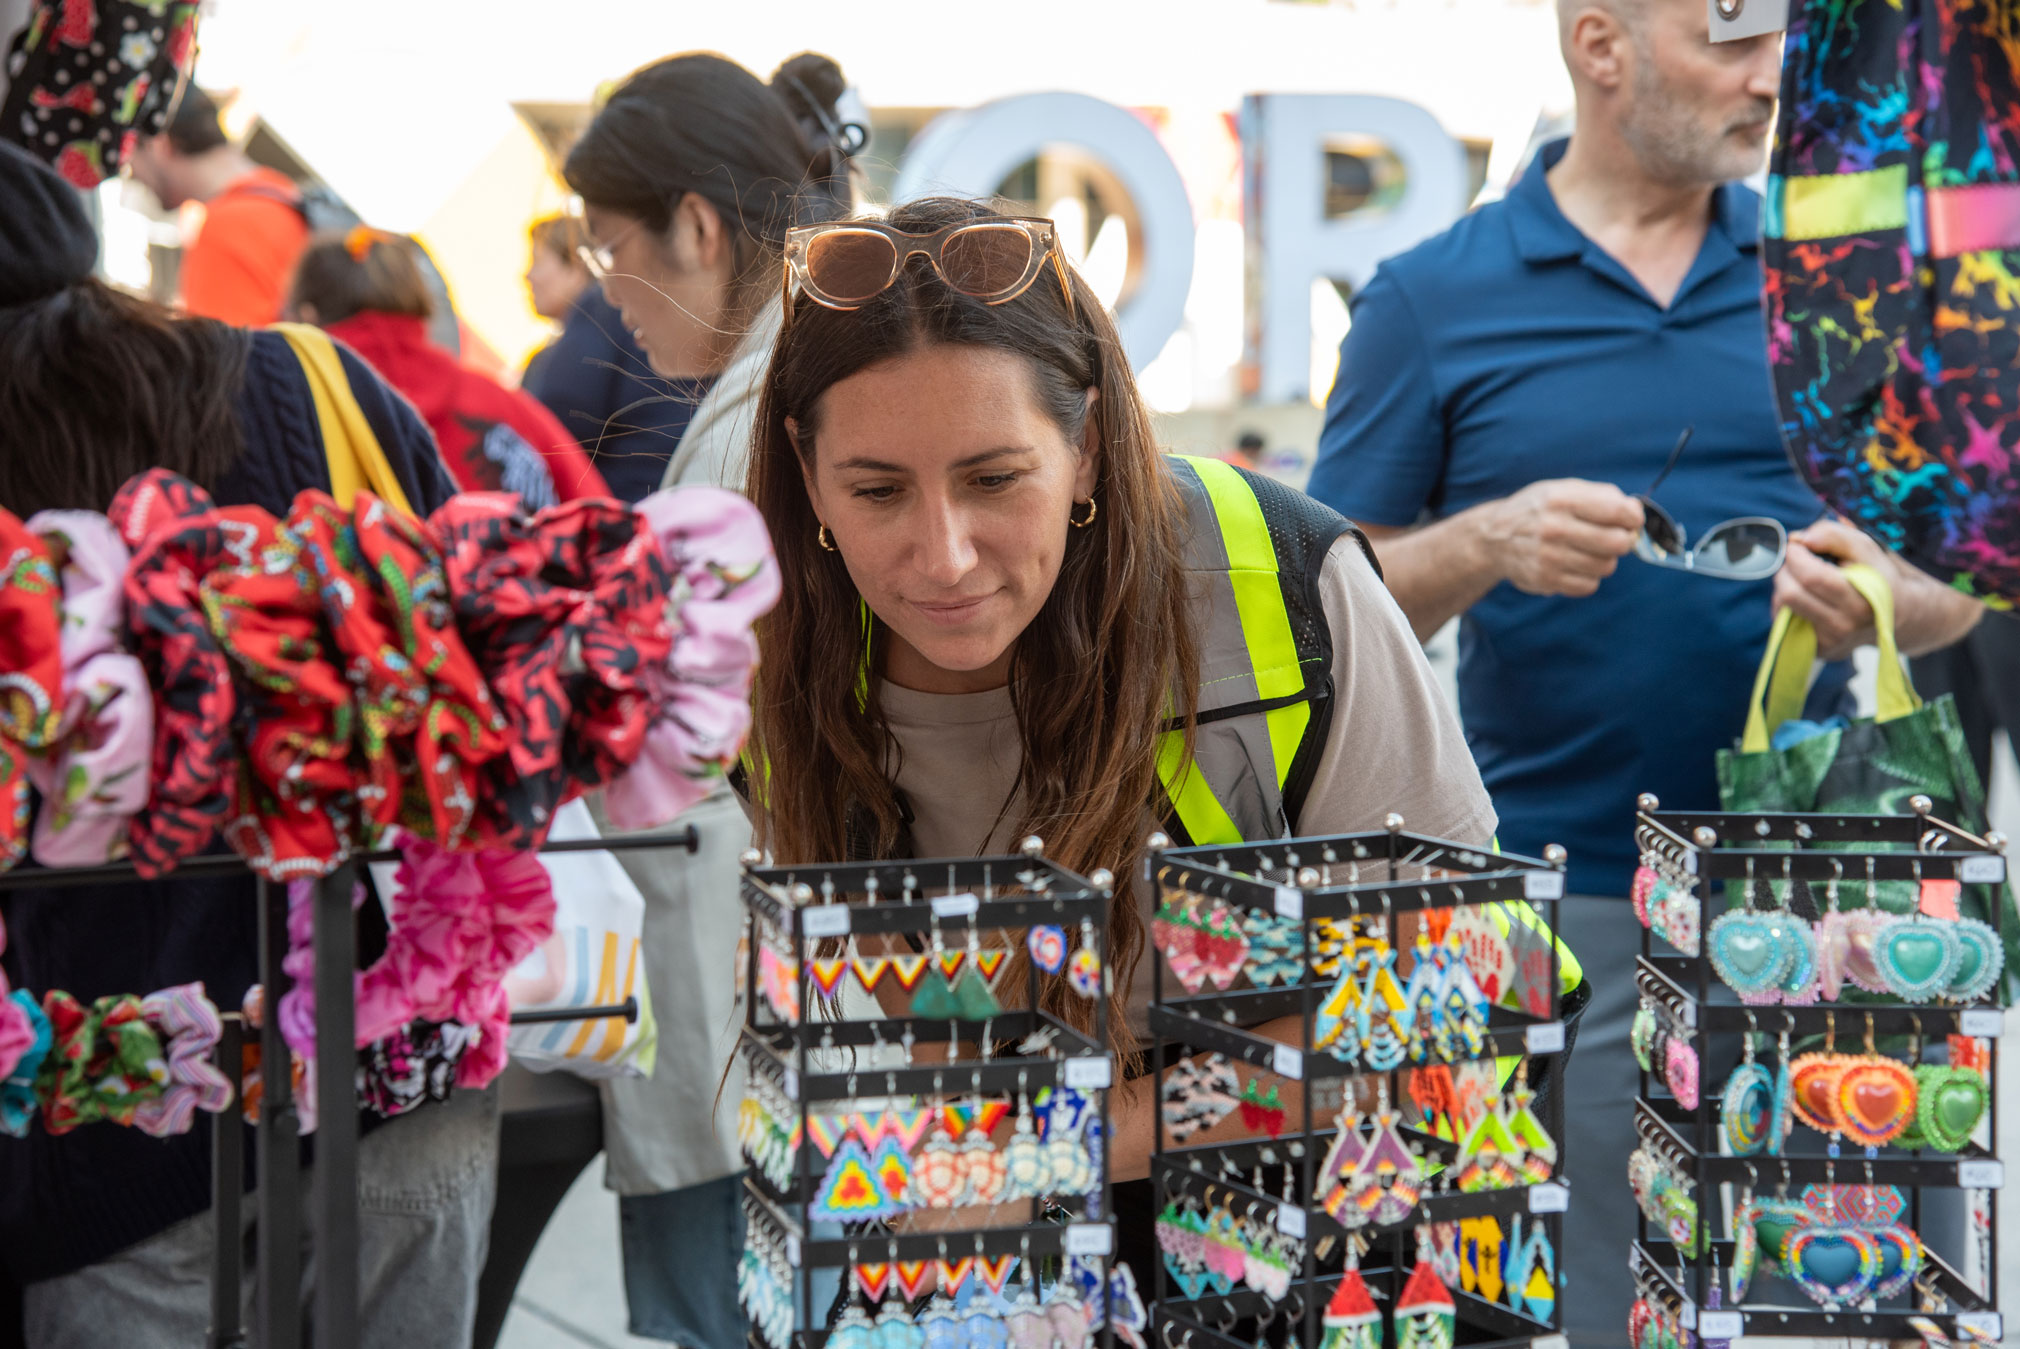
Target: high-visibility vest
1266 659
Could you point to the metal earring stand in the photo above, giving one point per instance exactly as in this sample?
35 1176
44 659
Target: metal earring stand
1294 878
809 905
1817 849
278 1275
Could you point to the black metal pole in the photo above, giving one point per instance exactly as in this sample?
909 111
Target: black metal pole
227 1176
279 1271
336 1171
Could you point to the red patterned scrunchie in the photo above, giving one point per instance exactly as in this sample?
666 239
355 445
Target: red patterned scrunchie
31 672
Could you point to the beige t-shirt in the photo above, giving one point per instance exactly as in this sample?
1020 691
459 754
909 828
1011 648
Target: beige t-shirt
1394 745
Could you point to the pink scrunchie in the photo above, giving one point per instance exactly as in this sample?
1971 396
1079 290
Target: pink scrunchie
726 578
17 1028
95 775
461 922
189 1026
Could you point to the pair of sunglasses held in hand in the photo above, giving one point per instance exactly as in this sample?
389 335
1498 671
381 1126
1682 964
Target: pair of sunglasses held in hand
1749 548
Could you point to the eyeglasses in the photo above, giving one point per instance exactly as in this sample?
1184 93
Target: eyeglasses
602 261
845 264
1749 548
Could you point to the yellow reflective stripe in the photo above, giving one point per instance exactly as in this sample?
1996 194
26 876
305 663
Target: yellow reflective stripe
1833 205
1287 731
1192 800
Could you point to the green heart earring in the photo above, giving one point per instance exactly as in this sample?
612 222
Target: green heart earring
1949 1102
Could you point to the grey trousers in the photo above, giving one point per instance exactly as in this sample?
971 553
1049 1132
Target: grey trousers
1600 1086
426 1182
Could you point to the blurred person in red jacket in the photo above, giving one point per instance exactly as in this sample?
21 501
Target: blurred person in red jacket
366 290
254 226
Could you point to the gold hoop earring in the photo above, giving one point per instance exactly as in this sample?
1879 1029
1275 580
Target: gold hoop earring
827 540
1093 509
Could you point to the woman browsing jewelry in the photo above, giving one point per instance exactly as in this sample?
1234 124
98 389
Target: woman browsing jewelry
1006 613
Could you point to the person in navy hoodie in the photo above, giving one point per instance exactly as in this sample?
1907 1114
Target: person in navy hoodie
593 376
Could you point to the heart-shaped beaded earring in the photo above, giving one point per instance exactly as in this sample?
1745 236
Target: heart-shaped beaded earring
1876 1096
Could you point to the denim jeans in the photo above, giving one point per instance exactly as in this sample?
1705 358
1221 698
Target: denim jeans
681 1250
426 1183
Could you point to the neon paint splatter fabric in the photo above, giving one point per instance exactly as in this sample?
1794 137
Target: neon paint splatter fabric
1892 253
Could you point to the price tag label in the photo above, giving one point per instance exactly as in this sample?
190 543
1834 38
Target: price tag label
1089 1074
1988 1324
1689 1316
1985 1174
1543 885
1984 1023
1089 1239
1288 1061
825 920
1547 1038
1549 1197
1550 1342
1634 1260
962 905
791 1082
1720 1326
1291 1221
1987 869
792 1250
1290 902
1690 862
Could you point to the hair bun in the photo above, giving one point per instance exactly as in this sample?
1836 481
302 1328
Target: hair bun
819 96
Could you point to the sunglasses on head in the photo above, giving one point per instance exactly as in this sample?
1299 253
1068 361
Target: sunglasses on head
844 264
1750 548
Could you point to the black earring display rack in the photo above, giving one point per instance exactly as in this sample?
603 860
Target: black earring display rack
282 1209
825 1060
1723 856
1347 879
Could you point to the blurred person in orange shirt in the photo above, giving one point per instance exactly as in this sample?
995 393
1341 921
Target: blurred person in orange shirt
254 226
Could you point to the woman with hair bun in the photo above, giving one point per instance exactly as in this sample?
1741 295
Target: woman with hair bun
690 175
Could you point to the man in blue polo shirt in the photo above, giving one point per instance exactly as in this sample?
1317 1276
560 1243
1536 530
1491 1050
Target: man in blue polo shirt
1505 391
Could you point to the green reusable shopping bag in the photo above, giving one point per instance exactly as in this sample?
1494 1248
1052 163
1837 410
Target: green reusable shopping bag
1871 767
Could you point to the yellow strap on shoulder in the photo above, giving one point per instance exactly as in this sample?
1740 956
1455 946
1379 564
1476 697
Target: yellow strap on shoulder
1783 683
356 459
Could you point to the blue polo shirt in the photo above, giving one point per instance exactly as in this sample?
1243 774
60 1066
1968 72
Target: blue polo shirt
1512 349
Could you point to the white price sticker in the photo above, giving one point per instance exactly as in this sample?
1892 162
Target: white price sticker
1089 1074
1547 1038
1634 1260
792 1250
1089 1239
792 1084
962 905
1289 1061
1988 1324
1984 1023
825 920
1720 1326
1985 1174
1987 869
1291 1221
1689 1316
1549 1197
1550 1342
1543 885
1689 1011
1290 902
1690 862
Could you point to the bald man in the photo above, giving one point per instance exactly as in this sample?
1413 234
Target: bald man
1505 392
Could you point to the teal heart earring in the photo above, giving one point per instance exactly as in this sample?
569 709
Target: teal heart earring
1918 957
1751 951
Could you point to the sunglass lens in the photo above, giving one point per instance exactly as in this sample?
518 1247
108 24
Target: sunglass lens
986 260
1742 550
1660 529
850 266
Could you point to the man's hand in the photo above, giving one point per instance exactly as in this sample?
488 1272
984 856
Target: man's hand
1562 536
1928 615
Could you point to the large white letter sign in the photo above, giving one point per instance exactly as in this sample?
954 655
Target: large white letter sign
970 153
1292 243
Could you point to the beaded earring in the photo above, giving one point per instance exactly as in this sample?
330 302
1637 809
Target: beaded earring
1352 1320
1875 1096
1746 1106
1083 972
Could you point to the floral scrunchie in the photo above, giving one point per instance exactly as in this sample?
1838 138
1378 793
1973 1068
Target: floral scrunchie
104 1061
725 579
31 672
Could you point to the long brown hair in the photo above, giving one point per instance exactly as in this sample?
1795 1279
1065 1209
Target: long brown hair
1110 658
96 386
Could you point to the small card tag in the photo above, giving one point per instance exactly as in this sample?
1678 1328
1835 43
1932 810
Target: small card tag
1689 1316
1987 869
1690 862
1732 20
825 920
1290 902
1983 1023
1543 885
1634 1260
1689 1011
1549 1197
1291 1221
1288 1061
962 905
1988 1324
1984 1174
791 1083
1550 1342
1089 1239
792 1250
1720 1326
1547 1038
1088 1073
